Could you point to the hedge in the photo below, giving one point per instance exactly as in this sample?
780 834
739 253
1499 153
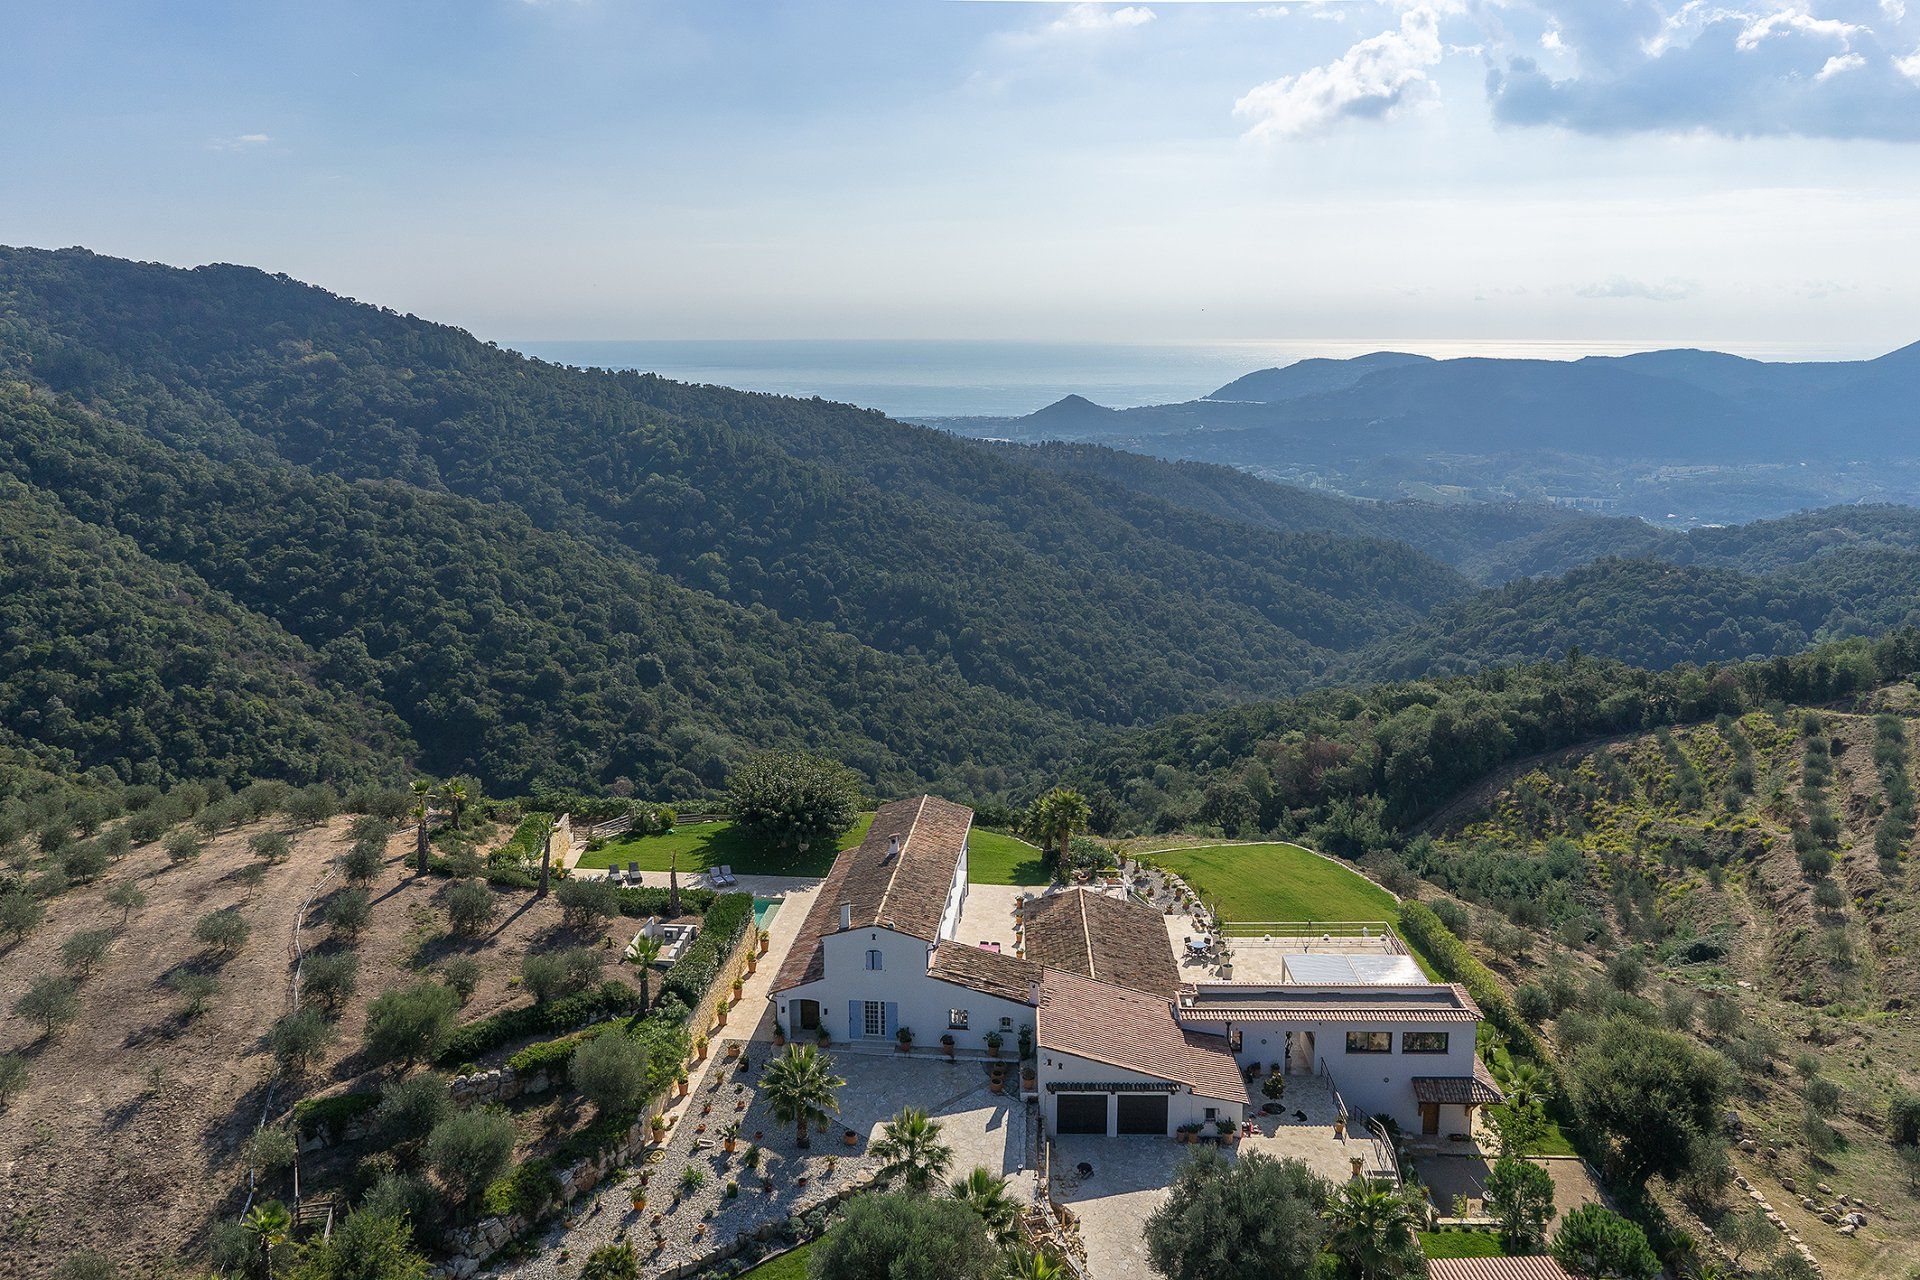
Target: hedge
1457 964
698 967
609 999
335 1111
646 900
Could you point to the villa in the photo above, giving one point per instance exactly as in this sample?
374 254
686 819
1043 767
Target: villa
1124 1043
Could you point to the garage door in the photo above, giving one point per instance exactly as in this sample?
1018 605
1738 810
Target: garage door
1082 1113
1143 1113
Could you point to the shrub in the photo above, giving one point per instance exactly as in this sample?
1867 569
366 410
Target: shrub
609 1071
84 950
297 1038
476 1038
1595 1241
468 1150
364 860
225 930
196 991
1653 1094
272 1149
470 906
348 912
792 799
20 914
642 901
312 804
271 847
329 979
365 1246
410 1109
1903 1118
183 846
611 1262
1823 1095
698 967
87 1265
461 975
1254 1216
85 861
585 903
531 1190
410 1023
52 1000
334 1112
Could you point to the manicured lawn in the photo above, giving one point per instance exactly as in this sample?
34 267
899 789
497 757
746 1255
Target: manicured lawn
1457 1244
1260 882
994 857
791 1265
709 844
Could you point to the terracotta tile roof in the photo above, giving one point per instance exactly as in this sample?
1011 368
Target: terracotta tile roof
1362 1003
1008 977
905 891
1538 1268
1478 1088
1134 1030
1108 939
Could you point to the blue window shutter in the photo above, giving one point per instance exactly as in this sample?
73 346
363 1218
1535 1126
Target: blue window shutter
893 1018
854 1027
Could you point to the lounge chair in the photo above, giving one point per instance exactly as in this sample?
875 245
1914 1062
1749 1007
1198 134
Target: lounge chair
726 874
633 873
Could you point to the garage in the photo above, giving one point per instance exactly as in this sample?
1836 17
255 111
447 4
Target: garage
1081 1113
1143 1113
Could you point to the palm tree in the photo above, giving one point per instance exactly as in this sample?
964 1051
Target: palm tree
800 1090
270 1225
1373 1226
641 953
986 1194
1056 816
1032 1264
910 1151
425 792
454 792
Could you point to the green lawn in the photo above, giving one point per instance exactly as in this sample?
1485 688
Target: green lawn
709 844
1258 882
791 1265
1459 1244
996 858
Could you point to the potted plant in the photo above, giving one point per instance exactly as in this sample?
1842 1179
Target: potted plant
639 1199
733 1050
779 1034
833 1162
700 1048
1187 1132
720 1013
659 1126
946 1042
1274 1087
706 1108
1226 1130
730 1135
823 1037
762 937
1029 1076
994 1041
739 987
904 1037
850 1138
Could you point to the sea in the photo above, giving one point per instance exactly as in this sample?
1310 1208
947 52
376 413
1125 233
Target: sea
923 379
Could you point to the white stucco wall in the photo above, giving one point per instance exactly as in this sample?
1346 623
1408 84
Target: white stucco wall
1377 1083
1066 1069
920 1002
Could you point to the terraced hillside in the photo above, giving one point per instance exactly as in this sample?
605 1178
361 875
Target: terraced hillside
1749 882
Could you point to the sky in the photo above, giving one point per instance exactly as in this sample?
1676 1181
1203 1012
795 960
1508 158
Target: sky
1733 173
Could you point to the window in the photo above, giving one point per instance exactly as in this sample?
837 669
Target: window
873 1016
1369 1042
956 1019
1423 1042
1006 1024
1213 1113
873 959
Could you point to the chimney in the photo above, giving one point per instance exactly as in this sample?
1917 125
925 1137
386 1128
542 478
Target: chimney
846 915
893 846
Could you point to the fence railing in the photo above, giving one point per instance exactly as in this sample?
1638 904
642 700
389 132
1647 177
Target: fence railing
1314 930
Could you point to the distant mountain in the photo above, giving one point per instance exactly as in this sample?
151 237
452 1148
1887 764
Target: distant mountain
1309 377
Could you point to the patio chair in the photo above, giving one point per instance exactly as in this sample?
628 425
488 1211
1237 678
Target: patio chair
726 874
633 873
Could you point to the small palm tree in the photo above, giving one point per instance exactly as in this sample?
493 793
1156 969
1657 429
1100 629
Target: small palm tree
910 1151
1032 1264
1372 1230
641 953
801 1090
986 1194
454 792
425 792
1055 817
270 1225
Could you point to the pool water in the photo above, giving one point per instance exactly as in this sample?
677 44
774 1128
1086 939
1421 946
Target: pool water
764 910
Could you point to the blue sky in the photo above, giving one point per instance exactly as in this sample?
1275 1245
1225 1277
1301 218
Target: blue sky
1743 173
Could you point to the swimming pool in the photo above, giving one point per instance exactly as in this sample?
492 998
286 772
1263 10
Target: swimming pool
764 910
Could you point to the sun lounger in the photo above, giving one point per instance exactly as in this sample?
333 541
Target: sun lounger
726 874
633 873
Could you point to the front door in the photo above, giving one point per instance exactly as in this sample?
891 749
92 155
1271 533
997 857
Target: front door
1081 1113
806 1015
1429 1119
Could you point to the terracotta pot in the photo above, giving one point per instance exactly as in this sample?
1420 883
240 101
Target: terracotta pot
779 1039
993 1051
753 963
994 1086
851 1138
763 944
639 1203
728 1144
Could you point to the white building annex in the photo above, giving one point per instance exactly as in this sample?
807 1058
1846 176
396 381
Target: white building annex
1123 1045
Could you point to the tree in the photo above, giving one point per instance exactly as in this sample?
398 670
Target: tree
791 799
1055 817
1599 1244
461 975
1521 1124
454 792
13 1076
364 859
585 903
127 896
347 914
1032 1264
1371 1232
800 1090
83 951
610 1071
1255 1218
183 846
1748 1232
611 1262
904 1237
985 1192
271 847
642 952
272 1149
909 1151
329 979
271 1226
410 1109
1520 1194
1903 1118
424 792
20 914
225 930
364 1246
470 905
297 1038
52 1000
468 1150
1653 1094
410 1023
196 990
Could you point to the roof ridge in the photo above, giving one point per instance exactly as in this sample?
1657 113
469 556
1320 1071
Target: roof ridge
1093 970
879 911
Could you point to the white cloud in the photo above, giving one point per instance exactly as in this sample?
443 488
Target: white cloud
1085 18
1621 287
1375 79
240 142
1839 64
1909 66
1795 22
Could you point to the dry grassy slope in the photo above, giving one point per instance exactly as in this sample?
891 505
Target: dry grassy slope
125 1139
1833 983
